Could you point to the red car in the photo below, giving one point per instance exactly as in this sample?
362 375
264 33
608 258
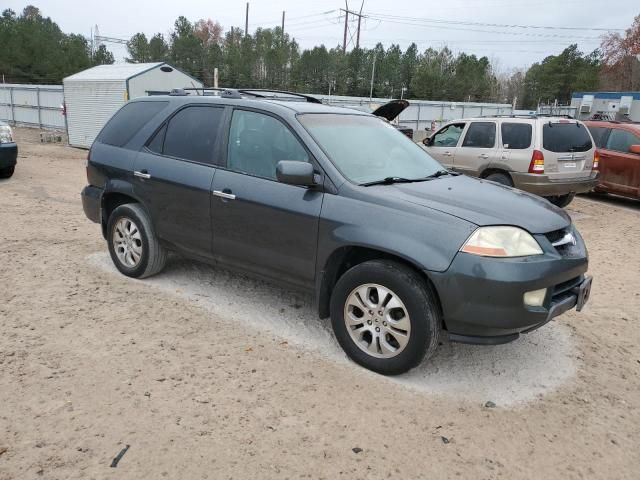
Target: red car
619 147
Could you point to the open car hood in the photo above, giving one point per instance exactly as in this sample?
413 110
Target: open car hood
391 109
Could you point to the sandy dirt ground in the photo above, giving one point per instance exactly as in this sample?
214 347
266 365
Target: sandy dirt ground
208 374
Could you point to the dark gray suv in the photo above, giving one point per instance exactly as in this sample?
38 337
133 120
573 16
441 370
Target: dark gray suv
398 250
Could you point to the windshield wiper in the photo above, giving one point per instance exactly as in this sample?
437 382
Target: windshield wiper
442 173
390 180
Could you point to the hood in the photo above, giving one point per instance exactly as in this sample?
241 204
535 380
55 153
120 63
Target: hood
391 110
481 202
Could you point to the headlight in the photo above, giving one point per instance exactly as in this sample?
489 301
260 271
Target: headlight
6 135
501 242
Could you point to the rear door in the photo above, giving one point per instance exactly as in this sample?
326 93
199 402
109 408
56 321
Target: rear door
174 173
262 225
619 168
516 146
568 149
478 149
444 143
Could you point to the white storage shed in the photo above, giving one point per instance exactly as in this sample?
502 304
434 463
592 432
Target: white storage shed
92 96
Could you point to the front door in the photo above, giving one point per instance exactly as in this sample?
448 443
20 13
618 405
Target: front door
174 173
444 143
478 149
261 224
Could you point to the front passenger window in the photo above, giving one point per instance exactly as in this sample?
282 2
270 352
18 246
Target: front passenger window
448 136
257 142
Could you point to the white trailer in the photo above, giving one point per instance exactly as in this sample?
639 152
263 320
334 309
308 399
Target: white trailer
92 96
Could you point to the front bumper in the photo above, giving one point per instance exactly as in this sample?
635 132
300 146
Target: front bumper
92 202
482 298
546 186
8 155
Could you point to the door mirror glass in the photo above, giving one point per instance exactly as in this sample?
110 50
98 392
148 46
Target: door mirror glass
635 149
295 172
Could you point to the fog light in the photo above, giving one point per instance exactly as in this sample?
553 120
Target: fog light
535 298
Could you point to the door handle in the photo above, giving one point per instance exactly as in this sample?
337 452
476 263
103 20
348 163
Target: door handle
142 174
448 154
224 194
483 155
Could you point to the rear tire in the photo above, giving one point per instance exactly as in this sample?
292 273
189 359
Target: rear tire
561 200
399 322
133 246
500 178
7 172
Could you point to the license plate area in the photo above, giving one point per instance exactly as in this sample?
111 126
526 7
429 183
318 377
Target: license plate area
583 291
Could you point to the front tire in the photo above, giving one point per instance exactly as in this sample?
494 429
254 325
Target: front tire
385 316
562 200
134 248
7 172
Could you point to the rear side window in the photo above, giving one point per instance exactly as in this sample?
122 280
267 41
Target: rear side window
480 135
565 137
599 135
621 140
191 134
128 121
516 136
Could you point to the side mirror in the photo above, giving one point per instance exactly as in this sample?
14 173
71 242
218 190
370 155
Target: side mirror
427 142
634 149
295 173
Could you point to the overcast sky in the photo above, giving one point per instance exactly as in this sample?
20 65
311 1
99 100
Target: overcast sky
316 22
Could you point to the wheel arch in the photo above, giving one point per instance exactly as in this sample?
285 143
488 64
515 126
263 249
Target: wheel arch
489 170
346 257
116 194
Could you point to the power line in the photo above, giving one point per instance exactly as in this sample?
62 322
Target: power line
447 27
497 25
263 22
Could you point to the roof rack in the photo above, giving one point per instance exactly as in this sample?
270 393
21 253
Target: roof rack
524 115
260 93
238 93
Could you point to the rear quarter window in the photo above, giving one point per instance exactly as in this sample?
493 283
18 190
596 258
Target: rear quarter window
128 121
516 136
566 137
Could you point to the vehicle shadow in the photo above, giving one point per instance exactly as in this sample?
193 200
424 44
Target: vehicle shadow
613 200
504 374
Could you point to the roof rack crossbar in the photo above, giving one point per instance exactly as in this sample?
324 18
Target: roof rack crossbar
258 93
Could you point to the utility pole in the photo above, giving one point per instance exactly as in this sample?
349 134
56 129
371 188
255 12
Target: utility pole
359 20
346 20
283 24
348 12
373 72
246 22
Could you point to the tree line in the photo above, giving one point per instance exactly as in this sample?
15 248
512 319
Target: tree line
39 52
33 49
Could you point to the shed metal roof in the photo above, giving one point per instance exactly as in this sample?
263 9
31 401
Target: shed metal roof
121 71
608 95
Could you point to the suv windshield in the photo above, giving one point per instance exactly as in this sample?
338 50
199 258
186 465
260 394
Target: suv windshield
366 149
565 137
